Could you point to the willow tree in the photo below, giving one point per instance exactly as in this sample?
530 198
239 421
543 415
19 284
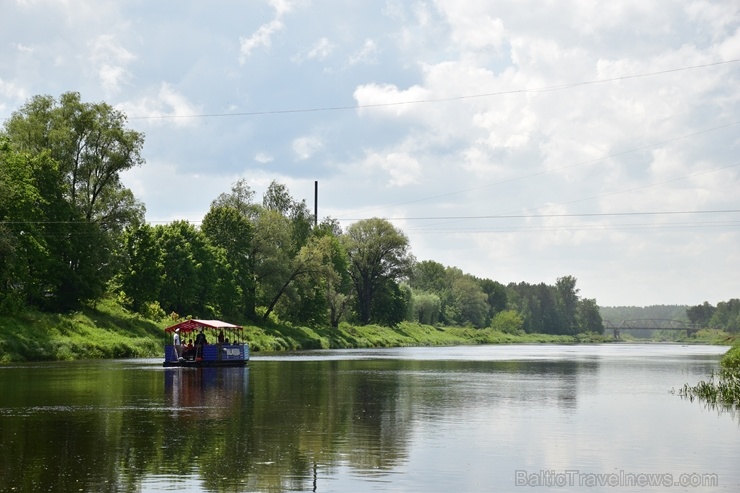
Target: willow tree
378 254
92 147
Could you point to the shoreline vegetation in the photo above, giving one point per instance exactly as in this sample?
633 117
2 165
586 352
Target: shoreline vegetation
107 330
723 388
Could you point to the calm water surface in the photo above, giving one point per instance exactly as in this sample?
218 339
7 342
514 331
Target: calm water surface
464 419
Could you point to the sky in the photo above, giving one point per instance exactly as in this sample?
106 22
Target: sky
519 141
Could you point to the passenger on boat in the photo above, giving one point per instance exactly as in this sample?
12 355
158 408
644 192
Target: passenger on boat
221 337
189 350
200 341
177 344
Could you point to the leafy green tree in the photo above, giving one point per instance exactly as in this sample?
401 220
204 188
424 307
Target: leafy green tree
323 294
391 303
727 316
508 321
312 260
589 316
86 207
700 314
495 294
377 252
425 307
25 258
241 198
567 304
228 228
429 276
195 274
432 277
141 274
469 302
91 145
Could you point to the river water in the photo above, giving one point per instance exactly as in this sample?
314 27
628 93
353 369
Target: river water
462 419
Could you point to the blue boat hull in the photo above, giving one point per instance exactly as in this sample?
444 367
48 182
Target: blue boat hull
213 355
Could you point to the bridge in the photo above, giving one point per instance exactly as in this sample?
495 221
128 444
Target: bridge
650 324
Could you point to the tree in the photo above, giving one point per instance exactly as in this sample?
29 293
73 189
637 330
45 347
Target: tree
496 296
226 227
727 316
25 256
141 275
508 321
241 198
195 274
567 304
91 145
377 252
85 205
391 303
589 316
425 308
469 302
700 314
311 260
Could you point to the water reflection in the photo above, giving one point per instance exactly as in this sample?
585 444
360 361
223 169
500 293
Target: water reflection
378 421
219 391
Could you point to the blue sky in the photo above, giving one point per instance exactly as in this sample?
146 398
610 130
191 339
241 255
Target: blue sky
577 117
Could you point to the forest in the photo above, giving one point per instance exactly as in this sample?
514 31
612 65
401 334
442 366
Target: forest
71 233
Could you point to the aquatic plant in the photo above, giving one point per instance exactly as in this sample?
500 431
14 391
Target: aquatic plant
722 388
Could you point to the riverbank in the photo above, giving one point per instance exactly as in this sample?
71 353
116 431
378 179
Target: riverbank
107 330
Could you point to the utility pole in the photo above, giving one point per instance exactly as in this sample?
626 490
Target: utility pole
316 203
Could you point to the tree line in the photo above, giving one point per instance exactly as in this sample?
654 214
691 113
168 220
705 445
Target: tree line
724 316
70 233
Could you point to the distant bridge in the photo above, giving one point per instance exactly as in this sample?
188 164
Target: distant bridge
650 324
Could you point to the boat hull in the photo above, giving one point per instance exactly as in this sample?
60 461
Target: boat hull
211 356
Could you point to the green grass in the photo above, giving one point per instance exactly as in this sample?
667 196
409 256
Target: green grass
102 331
107 330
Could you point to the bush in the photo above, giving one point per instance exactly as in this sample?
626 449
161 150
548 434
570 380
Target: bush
731 359
508 322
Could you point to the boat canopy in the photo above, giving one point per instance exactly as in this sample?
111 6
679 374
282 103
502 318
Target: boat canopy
193 325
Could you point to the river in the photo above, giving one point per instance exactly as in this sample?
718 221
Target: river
461 419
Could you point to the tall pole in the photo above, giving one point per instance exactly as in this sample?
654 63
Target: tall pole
316 203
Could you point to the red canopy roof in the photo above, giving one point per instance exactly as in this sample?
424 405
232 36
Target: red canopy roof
192 325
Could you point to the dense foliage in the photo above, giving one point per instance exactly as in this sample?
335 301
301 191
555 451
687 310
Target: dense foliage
724 316
62 205
70 232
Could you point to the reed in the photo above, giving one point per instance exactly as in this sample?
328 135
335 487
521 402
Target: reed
723 387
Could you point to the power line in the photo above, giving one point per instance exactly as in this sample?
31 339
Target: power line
434 100
580 227
492 216
535 216
553 170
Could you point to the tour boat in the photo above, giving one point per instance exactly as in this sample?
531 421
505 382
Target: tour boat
214 343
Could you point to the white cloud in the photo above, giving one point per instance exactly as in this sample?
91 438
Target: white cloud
111 59
168 106
365 55
264 158
305 147
261 38
402 169
450 120
321 49
387 98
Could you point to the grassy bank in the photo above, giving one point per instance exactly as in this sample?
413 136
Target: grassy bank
722 388
103 331
107 330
